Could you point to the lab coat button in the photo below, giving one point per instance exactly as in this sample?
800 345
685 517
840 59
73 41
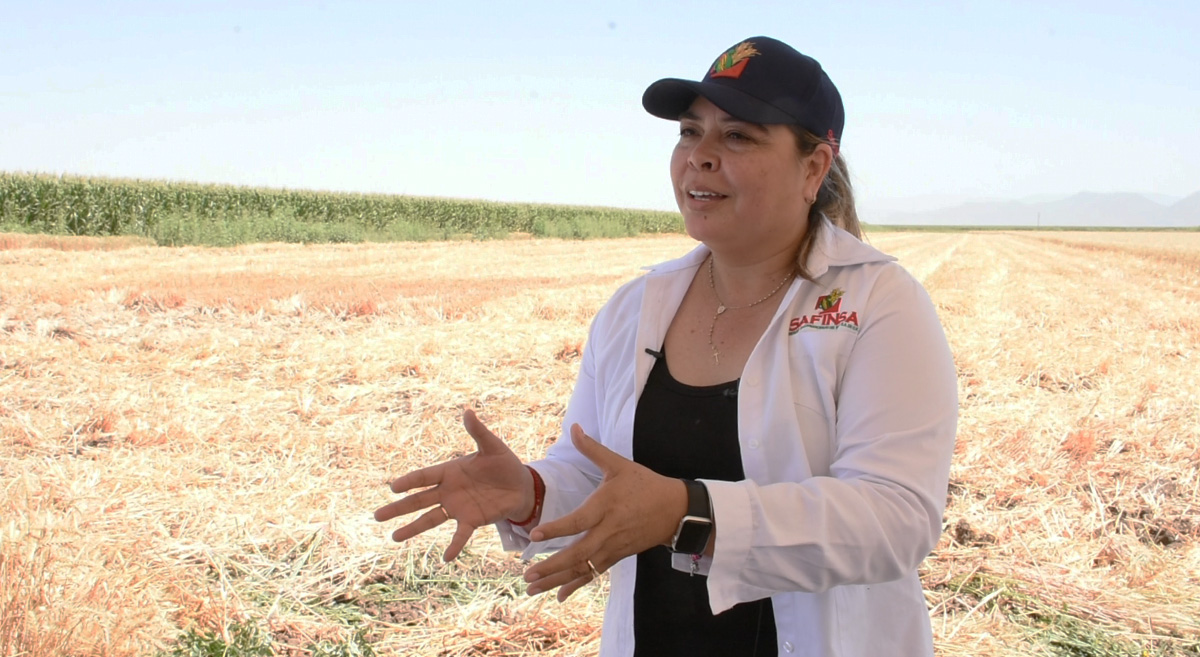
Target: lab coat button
787 645
753 444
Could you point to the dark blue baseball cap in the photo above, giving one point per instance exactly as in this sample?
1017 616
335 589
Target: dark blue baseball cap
760 80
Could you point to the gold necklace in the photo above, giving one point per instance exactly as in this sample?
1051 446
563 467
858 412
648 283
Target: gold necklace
721 307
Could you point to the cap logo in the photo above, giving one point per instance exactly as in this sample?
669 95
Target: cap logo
732 62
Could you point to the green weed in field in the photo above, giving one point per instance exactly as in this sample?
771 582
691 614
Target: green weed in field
247 639
244 640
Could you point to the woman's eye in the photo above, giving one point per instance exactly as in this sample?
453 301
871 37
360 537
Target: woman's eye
687 132
737 136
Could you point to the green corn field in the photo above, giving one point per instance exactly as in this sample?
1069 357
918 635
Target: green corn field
191 213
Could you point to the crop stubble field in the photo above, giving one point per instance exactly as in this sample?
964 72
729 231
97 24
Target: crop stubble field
195 438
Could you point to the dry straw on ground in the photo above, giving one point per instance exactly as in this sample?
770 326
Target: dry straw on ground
193 438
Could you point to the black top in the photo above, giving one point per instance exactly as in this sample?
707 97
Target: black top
690 432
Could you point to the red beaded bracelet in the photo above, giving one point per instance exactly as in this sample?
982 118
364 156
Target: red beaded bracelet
539 497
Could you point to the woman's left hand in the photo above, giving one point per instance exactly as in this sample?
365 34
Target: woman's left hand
633 509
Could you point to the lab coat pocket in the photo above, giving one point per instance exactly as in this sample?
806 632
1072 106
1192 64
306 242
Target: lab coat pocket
817 360
814 397
816 438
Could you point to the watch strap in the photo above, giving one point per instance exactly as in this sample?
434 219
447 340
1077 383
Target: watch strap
697 524
698 503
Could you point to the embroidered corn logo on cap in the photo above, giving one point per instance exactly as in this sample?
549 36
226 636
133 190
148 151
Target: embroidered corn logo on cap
761 80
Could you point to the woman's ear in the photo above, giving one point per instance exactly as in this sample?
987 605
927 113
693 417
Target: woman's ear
816 167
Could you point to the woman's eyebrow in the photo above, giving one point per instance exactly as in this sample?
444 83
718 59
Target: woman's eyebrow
688 115
749 125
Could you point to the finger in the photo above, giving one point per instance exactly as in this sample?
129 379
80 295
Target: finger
407 505
594 451
485 440
580 520
461 535
589 547
577 570
567 589
430 476
424 523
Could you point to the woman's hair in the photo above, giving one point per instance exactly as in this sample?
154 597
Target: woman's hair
835 200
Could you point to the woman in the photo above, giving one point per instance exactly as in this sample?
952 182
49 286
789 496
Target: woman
761 431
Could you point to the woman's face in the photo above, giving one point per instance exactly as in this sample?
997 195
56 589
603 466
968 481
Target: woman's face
742 186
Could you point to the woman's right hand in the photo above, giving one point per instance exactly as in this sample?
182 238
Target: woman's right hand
475 490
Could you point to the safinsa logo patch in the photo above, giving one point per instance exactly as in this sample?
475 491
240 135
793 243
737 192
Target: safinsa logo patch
829 315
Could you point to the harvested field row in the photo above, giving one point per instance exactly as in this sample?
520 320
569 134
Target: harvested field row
195 438
1178 242
1075 482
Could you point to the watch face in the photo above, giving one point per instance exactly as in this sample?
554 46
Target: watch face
693 535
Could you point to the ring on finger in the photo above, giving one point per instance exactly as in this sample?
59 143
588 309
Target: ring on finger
592 567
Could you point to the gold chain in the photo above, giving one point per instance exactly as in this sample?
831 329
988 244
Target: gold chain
721 307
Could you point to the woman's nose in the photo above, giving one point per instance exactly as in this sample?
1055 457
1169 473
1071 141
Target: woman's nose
703 156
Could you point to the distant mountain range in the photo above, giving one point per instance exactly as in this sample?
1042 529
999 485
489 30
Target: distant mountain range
1113 210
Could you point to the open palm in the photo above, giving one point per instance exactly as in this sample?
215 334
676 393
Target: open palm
475 490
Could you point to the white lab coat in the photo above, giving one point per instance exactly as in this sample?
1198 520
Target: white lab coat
846 420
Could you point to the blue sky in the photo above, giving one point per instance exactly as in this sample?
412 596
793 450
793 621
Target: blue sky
540 101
